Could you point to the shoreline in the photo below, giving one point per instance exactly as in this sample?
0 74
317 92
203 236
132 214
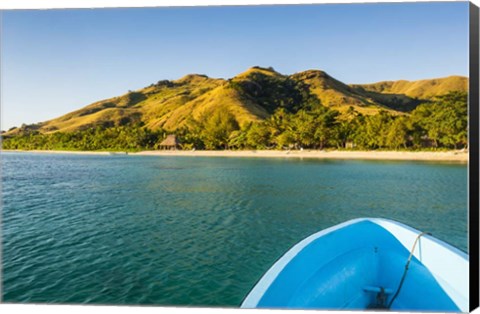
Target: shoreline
455 156
59 152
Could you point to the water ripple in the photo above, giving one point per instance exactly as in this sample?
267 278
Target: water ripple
194 231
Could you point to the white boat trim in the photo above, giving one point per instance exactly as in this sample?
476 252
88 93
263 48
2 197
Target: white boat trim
453 280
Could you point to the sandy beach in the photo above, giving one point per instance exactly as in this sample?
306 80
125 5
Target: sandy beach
458 156
454 156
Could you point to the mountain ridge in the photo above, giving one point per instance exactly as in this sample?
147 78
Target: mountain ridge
250 96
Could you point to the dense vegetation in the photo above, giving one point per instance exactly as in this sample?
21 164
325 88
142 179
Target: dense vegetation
273 92
441 123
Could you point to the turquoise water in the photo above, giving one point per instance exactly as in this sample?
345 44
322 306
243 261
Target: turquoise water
190 230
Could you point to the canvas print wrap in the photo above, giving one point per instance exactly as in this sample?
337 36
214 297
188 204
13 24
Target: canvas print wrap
280 156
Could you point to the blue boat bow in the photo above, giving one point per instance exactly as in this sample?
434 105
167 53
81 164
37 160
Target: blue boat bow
367 263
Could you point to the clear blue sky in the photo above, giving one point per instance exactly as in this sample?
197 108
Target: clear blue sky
56 61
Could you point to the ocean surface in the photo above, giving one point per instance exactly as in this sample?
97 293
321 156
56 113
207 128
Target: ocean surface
194 231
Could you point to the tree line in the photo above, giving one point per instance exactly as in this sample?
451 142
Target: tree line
439 124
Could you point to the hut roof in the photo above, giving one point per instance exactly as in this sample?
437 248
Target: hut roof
171 140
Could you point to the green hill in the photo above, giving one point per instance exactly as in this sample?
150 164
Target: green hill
406 95
422 89
337 95
250 96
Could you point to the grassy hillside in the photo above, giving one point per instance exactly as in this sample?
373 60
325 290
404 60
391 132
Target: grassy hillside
406 95
251 96
337 95
422 89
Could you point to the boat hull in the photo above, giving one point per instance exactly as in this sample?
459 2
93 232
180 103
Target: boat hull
359 265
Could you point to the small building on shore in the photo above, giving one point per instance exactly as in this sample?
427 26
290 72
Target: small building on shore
350 144
170 143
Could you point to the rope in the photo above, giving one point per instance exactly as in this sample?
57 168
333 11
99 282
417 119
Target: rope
406 268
